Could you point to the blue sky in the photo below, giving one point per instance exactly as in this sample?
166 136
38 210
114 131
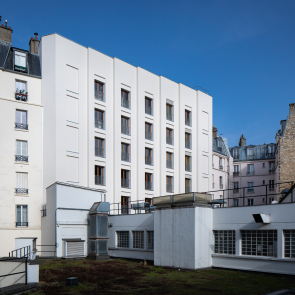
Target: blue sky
243 52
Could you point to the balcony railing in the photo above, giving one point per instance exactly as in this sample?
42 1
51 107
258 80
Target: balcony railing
99 96
236 190
148 135
148 110
237 173
188 122
169 164
188 167
99 152
271 171
187 189
250 172
219 148
125 103
99 124
21 223
169 188
169 140
125 157
148 185
187 144
271 188
21 96
270 154
21 191
21 126
220 167
124 182
220 185
20 158
99 180
169 116
213 185
125 130
148 160
250 190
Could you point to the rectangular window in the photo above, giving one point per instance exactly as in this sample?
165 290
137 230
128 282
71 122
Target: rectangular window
169 136
250 169
169 112
250 152
271 185
188 166
21 153
220 164
22 215
124 205
125 125
169 184
125 99
148 156
123 239
21 90
99 119
187 185
148 131
271 150
148 181
188 141
125 178
236 202
99 175
188 121
125 152
213 184
148 106
224 242
236 170
21 120
236 187
20 61
250 188
21 183
263 165
236 154
138 239
221 182
250 202
169 160
289 236
271 167
259 242
150 240
99 147
99 90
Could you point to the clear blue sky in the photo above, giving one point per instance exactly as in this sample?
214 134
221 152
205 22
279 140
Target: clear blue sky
243 51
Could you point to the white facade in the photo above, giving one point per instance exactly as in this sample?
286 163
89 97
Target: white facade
69 72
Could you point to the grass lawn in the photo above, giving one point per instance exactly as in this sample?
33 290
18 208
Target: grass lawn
121 276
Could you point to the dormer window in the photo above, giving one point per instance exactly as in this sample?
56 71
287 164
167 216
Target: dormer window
20 61
236 153
250 152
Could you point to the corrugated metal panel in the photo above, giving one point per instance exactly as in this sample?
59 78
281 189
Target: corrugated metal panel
75 249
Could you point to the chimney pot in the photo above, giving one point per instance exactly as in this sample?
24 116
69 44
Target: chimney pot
6 23
36 36
34 44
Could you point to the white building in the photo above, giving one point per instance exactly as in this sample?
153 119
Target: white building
20 144
109 125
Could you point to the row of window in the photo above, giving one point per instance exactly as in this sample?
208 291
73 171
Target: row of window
250 186
250 152
254 242
140 239
220 163
251 171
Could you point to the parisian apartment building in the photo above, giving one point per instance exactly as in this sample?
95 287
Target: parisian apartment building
21 192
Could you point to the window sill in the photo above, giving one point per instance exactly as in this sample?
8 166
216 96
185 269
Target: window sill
131 249
22 163
253 257
19 129
21 195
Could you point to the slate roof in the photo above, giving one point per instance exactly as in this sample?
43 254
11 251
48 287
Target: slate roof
3 54
219 148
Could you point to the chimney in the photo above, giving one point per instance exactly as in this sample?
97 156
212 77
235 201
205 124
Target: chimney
292 109
214 132
242 141
34 44
5 33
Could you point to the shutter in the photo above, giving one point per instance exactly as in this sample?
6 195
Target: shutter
75 249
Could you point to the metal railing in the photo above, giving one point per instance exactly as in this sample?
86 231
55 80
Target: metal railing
20 158
125 103
125 183
18 223
188 167
237 173
99 152
148 135
187 189
271 171
99 96
131 207
270 154
169 140
236 190
169 188
250 190
99 124
125 157
148 110
21 191
220 167
213 185
219 148
169 164
21 252
99 180
44 211
169 116
125 130
148 160
220 185
250 172
187 144
21 126
148 185
201 89
21 96
47 251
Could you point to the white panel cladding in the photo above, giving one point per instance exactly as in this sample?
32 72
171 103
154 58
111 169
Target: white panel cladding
72 139
72 169
72 79
205 164
205 120
72 109
205 143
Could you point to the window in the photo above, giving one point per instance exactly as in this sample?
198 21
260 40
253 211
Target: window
213 184
250 187
236 170
148 181
21 154
169 184
270 200
138 239
21 183
125 99
188 118
125 152
169 112
150 240
187 185
169 136
220 164
259 242
236 187
21 120
20 61
22 215
220 182
125 125
169 160
224 242
188 140
289 236
263 165
271 150
236 202
250 202
148 106
99 119
99 147
99 90
21 91
148 131
188 163
271 167
125 177
271 185
123 239
99 175
263 181
236 154
124 205
250 169
148 156
250 152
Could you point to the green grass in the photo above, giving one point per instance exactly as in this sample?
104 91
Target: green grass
129 277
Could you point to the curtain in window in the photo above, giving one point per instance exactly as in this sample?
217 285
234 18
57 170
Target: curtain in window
25 214
20 59
21 148
21 117
20 86
21 180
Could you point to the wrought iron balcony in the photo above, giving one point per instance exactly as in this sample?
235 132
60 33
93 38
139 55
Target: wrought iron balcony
148 110
271 188
169 164
219 148
271 171
169 116
20 158
187 189
220 185
148 160
187 144
250 190
125 157
125 183
21 126
237 173
99 180
21 223
169 140
213 185
125 103
270 154
250 173
21 191
99 95
188 167
148 135
99 124
21 96
220 167
125 130
99 152
188 122
148 185
236 190
169 188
